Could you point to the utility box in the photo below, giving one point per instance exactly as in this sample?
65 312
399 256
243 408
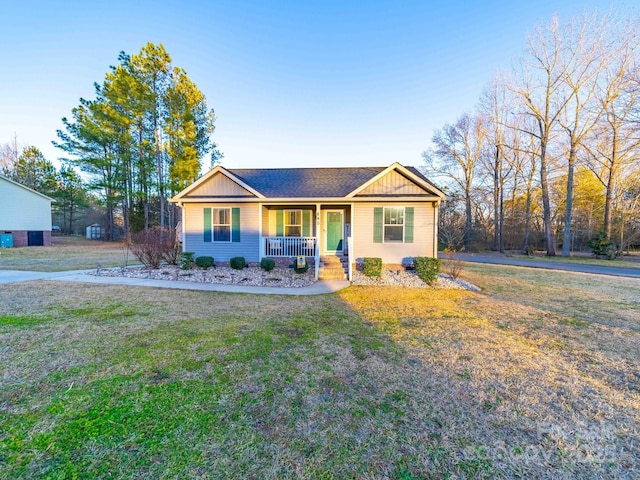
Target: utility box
6 240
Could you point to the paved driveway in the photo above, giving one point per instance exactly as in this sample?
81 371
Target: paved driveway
498 259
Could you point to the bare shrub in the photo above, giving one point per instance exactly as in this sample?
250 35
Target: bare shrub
453 266
153 245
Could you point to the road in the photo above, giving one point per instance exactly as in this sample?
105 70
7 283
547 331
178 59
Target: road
498 259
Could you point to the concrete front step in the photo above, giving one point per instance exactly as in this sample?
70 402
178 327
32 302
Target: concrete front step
333 267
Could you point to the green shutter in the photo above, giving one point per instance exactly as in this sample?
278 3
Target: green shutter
279 224
306 223
377 225
408 225
207 224
235 224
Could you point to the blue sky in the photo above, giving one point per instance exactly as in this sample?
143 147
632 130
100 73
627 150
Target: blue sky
293 84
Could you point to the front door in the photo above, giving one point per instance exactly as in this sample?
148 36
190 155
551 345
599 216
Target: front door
334 226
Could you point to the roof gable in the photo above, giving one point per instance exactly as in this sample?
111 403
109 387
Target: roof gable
219 185
393 184
19 185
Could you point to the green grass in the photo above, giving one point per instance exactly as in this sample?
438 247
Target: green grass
579 258
110 381
66 253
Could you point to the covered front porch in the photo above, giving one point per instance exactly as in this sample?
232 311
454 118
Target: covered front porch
310 230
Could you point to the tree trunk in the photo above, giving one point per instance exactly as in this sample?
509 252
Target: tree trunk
546 204
496 201
468 226
566 242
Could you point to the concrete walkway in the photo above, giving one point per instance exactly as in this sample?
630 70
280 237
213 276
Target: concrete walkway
318 288
499 259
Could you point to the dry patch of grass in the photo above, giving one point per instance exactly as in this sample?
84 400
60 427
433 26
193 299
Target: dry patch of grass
371 382
66 253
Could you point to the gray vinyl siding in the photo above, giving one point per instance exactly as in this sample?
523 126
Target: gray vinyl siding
248 246
423 233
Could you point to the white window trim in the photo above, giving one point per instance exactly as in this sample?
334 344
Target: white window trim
214 225
384 225
285 222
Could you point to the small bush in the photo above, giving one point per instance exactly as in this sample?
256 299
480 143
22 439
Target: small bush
452 264
267 264
427 268
372 267
186 260
302 269
602 247
204 262
237 263
152 245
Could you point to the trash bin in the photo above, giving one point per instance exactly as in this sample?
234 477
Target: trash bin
6 240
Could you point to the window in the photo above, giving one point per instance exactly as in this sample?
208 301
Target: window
393 224
293 223
221 224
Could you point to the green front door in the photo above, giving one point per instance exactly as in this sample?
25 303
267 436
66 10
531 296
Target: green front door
334 231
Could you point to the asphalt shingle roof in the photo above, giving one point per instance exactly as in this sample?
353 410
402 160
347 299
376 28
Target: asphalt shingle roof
308 182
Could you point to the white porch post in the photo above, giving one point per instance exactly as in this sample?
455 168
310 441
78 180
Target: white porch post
318 236
260 239
435 229
352 253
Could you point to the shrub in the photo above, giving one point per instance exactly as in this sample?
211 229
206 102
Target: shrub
267 264
302 269
204 261
602 247
452 264
174 248
372 267
186 260
427 268
237 263
153 245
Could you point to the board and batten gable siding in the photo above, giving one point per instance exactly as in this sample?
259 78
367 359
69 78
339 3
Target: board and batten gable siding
423 233
22 209
248 246
219 186
391 184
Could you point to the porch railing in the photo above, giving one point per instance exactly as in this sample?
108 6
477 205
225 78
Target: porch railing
289 246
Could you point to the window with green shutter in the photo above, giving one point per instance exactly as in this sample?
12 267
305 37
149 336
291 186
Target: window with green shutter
279 223
393 224
235 224
207 225
377 225
408 225
306 223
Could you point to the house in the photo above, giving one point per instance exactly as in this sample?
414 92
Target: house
25 215
320 213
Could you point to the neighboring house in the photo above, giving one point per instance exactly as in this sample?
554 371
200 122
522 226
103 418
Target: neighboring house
352 213
24 214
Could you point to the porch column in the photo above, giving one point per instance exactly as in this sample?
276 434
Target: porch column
435 229
260 240
318 236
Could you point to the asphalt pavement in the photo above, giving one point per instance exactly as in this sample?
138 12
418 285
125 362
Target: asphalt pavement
500 259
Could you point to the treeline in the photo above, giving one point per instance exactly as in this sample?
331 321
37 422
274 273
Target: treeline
551 157
140 140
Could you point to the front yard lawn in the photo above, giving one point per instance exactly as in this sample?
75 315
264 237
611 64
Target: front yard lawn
108 381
